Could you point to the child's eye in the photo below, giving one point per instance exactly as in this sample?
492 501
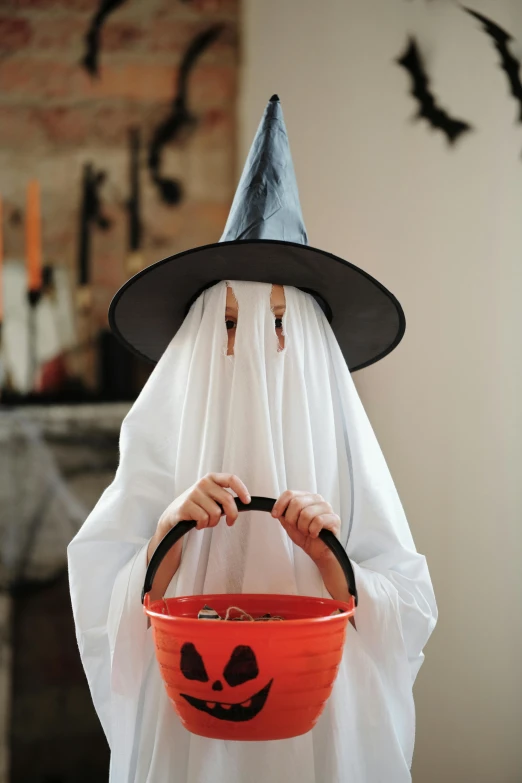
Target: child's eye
279 323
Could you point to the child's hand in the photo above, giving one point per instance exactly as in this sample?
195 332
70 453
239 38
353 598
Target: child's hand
200 502
303 516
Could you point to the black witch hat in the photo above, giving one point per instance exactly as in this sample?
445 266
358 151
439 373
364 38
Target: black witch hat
264 240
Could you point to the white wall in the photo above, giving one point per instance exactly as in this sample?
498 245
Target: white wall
442 229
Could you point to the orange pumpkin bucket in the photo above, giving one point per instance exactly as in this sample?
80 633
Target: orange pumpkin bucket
249 680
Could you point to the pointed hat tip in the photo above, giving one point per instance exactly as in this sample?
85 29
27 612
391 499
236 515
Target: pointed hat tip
274 99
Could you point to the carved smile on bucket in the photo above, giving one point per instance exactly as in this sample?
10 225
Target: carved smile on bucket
234 712
240 669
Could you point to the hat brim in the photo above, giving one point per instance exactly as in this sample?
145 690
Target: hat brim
148 309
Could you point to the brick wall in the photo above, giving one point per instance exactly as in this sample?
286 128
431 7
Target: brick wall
54 117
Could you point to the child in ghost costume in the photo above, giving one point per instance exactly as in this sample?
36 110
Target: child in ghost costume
280 415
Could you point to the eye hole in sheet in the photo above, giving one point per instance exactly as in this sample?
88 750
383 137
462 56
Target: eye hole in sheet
277 307
231 319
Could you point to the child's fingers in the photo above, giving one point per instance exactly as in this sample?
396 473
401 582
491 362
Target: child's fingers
307 515
226 500
231 481
301 504
197 513
281 503
315 528
326 522
291 509
209 505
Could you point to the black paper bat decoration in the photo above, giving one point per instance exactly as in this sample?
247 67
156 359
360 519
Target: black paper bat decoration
508 62
92 37
180 121
428 108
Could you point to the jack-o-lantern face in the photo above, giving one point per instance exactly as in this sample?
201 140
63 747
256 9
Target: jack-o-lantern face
241 668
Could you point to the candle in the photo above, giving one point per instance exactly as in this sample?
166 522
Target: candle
33 237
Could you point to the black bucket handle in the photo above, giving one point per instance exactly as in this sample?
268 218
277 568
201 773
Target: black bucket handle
257 503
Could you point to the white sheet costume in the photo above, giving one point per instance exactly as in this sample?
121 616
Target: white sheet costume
279 419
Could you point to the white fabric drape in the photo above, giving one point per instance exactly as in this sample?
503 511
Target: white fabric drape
279 419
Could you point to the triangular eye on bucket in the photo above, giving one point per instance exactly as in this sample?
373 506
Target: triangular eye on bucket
241 667
264 240
191 664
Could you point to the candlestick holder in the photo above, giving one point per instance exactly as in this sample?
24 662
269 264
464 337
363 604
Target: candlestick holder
86 367
33 297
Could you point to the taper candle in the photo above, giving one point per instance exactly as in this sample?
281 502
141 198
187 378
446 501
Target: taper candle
33 237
